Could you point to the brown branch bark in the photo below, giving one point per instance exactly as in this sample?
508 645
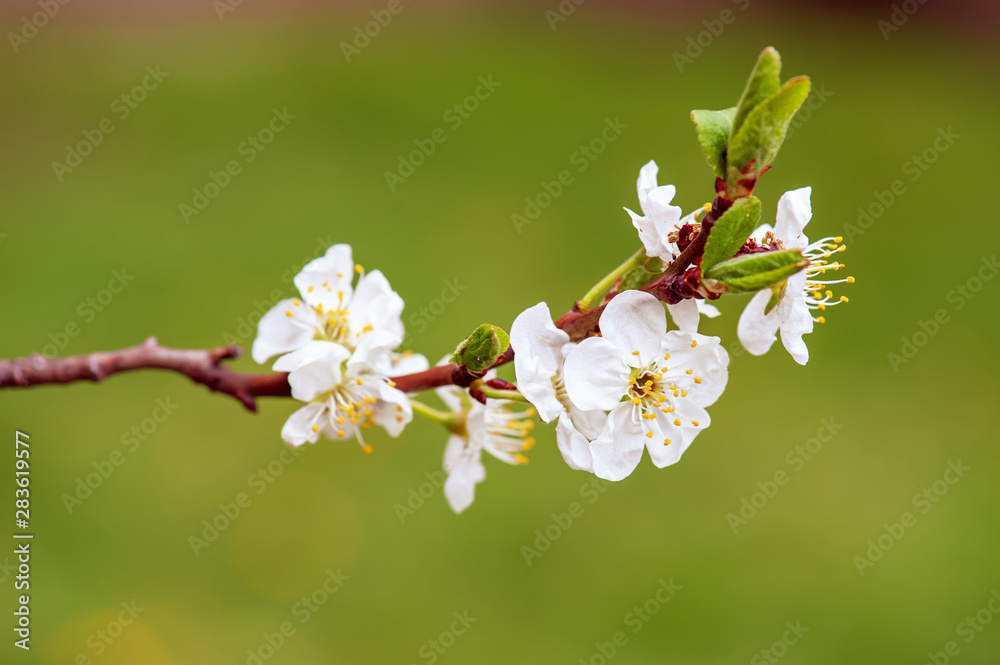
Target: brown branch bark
202 366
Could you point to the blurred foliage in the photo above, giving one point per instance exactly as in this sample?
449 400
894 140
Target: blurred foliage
322 180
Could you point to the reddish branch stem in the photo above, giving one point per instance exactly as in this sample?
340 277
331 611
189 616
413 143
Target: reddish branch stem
205 366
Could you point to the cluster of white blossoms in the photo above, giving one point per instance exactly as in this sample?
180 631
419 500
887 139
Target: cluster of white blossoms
338 342
635 386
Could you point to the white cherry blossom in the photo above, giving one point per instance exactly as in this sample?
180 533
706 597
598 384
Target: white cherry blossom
332 307
655 384
804 291
540 350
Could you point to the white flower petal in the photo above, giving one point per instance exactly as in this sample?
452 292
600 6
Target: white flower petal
596 376
314 369
706 309
646 182
298 429
464 470
634 321
686 314
755 329
375 306
680 436
538 357
588 423
322 278
619 448
372 353
408 363
796 318
392 410
794 212
707 360
279 333
574 446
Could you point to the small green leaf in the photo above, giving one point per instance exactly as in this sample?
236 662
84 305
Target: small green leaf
714 128
641 275
777 293
764 81
754 272
761 135
730 231
482 348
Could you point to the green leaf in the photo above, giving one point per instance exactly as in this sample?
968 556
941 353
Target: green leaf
482 348
754 272
641 275
764 81
714 128
761 135
777 293
730 231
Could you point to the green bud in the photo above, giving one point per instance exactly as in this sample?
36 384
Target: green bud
714 128
482 348
754 272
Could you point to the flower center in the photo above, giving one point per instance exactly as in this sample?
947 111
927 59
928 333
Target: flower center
655 390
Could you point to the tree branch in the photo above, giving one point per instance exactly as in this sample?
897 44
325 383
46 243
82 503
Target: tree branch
202 366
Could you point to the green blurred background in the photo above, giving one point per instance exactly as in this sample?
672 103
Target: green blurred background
322 181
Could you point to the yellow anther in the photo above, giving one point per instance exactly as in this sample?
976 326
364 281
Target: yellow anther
652 416
666 356
850 280
684 393
635 353
635 400
315 428
368 449
661 398
695 423
677 422
697 379
648 383
340 275
392 384
842 248
364 425
340 432
309 289
360 382
821 319
326 283
399 419
649 435
828 294
528 444
669 409
821 307
631 380
694 343
677 393
358 269
288 313
399 407
340 420
520 459
645 416
666 442
689 371
296 303
844 299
